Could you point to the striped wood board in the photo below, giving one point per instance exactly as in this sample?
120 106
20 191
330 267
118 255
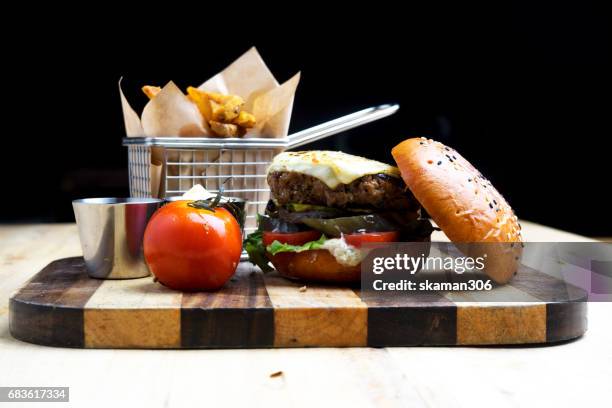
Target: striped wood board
61 306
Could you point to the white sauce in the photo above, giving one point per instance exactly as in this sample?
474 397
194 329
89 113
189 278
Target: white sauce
197 192
344 253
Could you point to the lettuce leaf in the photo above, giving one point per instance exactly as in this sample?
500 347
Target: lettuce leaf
254 246
276 247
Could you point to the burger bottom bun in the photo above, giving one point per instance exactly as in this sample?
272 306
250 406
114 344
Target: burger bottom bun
315 265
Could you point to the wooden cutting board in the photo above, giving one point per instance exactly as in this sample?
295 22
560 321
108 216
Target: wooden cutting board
62 306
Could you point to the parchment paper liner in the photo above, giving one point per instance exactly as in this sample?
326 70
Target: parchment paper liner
171 114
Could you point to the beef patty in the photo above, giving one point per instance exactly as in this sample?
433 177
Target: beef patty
378 191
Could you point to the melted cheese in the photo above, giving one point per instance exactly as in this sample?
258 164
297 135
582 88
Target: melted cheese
332 168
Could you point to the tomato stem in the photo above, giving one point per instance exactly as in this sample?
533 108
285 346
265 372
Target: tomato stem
207 204
211 203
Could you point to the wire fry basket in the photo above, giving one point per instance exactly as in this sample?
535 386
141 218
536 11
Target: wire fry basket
211 161
240 164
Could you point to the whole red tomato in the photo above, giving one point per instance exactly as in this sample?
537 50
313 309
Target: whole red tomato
192 249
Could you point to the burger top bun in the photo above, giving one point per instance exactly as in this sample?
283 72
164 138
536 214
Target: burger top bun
463 203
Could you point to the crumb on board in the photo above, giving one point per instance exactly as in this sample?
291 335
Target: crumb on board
276 374
303 288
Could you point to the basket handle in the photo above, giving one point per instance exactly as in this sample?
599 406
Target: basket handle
340 125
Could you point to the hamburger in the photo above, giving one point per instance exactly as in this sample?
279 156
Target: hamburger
325 205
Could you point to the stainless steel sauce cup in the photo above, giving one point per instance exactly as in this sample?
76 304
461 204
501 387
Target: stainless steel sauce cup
111 232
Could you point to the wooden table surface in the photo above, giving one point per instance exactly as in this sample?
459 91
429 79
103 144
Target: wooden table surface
577 373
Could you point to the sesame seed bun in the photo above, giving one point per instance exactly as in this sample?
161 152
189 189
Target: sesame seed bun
461 201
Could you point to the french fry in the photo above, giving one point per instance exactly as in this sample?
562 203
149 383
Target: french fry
151 91
245 120
231 105
202 101
217 112
224 129
222 112
217 97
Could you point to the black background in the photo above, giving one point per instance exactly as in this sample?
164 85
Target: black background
523 92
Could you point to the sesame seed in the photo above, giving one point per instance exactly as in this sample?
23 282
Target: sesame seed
454 157
469 180
490 205
494 202
439 163
421 143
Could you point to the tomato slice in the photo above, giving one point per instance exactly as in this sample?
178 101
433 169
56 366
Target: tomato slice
358 239
292 238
